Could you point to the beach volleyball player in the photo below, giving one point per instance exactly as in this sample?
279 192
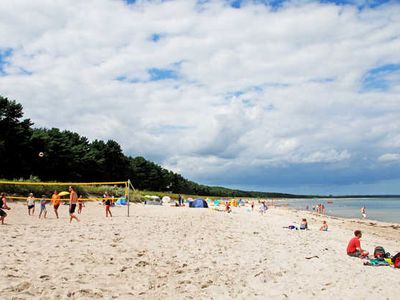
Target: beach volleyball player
73 199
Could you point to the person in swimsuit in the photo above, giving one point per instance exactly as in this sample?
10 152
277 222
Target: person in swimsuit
80 204
31 204
304 224
107 203
56 201
3 205
43 209
73 199
324 226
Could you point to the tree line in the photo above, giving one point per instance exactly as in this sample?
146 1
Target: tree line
56 155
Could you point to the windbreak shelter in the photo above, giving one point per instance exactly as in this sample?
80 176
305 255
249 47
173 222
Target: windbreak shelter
198 203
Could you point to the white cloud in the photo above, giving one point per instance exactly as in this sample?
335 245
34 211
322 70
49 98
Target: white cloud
255 87
389 157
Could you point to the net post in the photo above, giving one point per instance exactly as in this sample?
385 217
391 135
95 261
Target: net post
128 188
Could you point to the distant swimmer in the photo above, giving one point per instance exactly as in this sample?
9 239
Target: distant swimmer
363 212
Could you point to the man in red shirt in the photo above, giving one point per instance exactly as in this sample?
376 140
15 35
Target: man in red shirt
354 246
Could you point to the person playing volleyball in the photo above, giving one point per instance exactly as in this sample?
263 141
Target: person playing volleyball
73 199
107 203
56 201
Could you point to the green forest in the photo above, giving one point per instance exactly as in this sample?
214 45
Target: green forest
68 156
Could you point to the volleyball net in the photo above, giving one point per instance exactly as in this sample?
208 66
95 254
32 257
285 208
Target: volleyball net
116 191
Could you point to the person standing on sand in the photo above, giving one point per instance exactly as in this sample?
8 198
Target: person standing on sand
107 203
3 205
30 201
43 209
56 201
73 199
363 212
80 204
354 246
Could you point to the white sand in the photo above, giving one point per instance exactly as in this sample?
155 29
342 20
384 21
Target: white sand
182 253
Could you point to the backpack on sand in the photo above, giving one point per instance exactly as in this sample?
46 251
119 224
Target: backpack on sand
379 252
396 260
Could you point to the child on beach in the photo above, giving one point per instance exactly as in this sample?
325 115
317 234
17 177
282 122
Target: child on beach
324 226
3 205
303 224
354 246
228 207
80 204
43 209
107 203
31 204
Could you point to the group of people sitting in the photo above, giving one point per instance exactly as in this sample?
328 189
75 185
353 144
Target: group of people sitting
304 225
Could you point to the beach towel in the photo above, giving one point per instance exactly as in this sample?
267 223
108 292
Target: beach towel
376 262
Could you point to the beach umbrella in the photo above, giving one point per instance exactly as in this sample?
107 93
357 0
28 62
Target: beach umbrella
63 194
166 199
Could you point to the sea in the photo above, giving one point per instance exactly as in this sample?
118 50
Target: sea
379 209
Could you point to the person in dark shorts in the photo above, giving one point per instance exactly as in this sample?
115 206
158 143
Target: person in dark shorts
3 205
31 204
73 199
354 246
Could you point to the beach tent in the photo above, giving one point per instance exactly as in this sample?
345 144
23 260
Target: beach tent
154 200
121 201
198 203
165 199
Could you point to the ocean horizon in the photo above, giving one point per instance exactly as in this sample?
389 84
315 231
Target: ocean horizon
379 209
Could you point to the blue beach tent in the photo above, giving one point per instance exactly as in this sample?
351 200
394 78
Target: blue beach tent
198 203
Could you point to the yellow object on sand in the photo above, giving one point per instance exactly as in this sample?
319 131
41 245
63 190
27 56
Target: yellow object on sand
389 261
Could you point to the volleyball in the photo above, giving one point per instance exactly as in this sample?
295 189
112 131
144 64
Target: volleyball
41 154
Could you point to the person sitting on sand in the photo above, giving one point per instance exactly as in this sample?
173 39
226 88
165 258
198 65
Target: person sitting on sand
324 226
3 205
303 224
56 201
354 246
43 209
31 204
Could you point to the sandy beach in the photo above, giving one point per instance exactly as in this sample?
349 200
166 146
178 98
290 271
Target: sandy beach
182 253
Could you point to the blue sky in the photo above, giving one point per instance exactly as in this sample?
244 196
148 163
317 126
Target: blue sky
287 96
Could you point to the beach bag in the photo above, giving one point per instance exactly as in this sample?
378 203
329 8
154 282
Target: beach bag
379 252
396 260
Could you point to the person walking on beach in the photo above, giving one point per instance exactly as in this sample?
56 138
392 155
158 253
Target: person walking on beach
56 201
43 209
363 212
73 199
107 203
354 247
31 204
3 205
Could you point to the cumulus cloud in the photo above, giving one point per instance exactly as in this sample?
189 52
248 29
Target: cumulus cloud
208 89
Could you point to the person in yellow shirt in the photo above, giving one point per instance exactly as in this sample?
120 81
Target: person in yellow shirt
55 200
